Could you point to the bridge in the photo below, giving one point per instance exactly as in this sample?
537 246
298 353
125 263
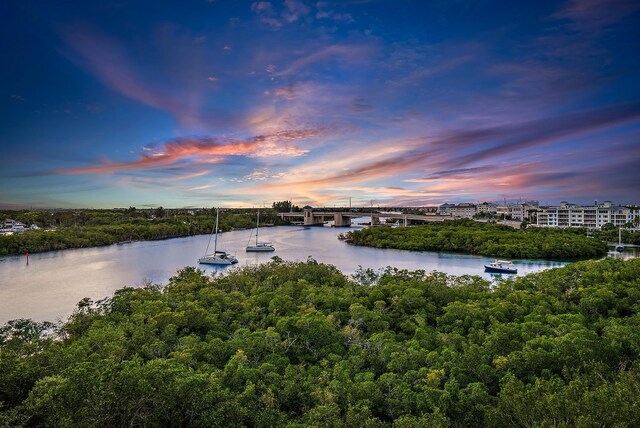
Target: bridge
343 218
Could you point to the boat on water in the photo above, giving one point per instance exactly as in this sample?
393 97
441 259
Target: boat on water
620 245
259 247
500 266
218 257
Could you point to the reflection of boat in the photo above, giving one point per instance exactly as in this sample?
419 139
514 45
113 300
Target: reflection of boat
217 257
260 247
500 266
620 246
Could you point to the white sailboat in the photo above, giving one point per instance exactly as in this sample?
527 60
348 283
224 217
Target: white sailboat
620 246
220 258
260 247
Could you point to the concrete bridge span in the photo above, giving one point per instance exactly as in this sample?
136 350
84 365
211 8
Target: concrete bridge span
343 218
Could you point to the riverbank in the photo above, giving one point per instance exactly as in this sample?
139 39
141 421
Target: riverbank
53 282
281 344
470 237
115 227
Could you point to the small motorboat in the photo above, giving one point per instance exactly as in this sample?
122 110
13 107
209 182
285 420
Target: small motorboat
500 266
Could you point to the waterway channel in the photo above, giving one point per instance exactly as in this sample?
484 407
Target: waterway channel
49 287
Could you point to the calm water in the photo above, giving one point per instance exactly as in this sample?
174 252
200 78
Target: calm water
51 285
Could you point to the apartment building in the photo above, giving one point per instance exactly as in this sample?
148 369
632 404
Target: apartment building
463 210
444 209
593 216
487 207
516 211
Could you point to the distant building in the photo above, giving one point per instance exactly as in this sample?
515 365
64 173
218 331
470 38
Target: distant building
444 209
592 216
487 207
463 210
10 225
515 211
429 209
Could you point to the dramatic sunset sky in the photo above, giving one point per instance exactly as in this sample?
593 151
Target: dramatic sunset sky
239 103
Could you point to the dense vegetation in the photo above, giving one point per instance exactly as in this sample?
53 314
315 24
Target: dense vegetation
485 239
90 228
610 234
300 344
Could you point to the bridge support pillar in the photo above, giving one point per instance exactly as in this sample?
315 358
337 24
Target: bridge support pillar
311 220
340 220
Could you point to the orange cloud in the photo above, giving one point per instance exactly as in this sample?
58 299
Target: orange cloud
209 150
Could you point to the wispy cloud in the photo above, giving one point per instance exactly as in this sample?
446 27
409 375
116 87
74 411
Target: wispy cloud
361 105
442 152
457 173
109 60
278 16
343 54
208 150
592 15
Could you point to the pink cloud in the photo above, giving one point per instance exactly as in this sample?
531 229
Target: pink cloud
346 53
591 15
110 62
453 155
260 6
209 150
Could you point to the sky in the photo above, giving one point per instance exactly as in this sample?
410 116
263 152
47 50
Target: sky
201 103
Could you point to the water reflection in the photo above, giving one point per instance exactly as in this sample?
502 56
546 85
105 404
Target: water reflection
51 285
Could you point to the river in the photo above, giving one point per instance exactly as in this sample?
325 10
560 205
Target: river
49 287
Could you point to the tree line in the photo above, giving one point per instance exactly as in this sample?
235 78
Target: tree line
301 344
91 228
485 239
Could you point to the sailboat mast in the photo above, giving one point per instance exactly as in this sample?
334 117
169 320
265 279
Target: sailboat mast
257 226
215 241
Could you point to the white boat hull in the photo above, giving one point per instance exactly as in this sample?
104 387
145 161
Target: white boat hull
260 249
224 260
213 261
500 266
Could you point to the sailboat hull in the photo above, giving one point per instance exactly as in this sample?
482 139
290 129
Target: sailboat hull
260 249
216 260
219 258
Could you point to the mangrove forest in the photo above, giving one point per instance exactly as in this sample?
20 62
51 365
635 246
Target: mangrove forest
486 239
302 345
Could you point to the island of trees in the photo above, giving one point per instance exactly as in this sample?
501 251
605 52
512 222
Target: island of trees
487 239
302 345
